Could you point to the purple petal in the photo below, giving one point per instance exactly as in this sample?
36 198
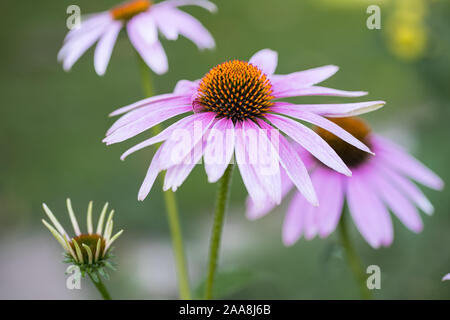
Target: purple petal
183 140
294 221
163 135
330 190
266 60
74 48
88 23
302 79
316 91
335 110
148 120
186 87
446 277
267 163
406 186
143 35
156 106
311 141
368 212
144 25
105 46
249 175
169 97
176 175
310 227
151 175
219 149
172 22
323 123
258 211
399 159
398 203
294 166
92 25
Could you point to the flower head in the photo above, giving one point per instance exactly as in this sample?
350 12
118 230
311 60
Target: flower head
379 182
235 109
89 251
143 19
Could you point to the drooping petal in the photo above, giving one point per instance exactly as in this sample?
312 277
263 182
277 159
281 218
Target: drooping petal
266 60
105 47
324 123
168 97
144 25
173 22
73 49
154 107
405 186
311 141
249 176
143 35
183 140
294 166
147 121
368 212
399 204
294 221
88 23
446 277
335 110
330 190
166 134
302 79
258 211
151 175
400 160
176 175
316 91
219 149
267 163
165 23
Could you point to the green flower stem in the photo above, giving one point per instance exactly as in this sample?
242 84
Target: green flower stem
222 197
101 288
353 259
171 205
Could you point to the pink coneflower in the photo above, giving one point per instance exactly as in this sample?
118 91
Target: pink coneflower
378 183
143 20
232 103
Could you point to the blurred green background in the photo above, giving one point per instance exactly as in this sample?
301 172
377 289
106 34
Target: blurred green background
52 124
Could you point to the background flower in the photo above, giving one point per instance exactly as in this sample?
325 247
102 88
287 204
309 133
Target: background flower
90 251
142 19
379 182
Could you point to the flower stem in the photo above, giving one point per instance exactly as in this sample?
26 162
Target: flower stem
171 205
353 259
222 197
100 287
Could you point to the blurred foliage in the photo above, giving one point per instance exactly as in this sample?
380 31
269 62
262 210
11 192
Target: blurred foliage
52 124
